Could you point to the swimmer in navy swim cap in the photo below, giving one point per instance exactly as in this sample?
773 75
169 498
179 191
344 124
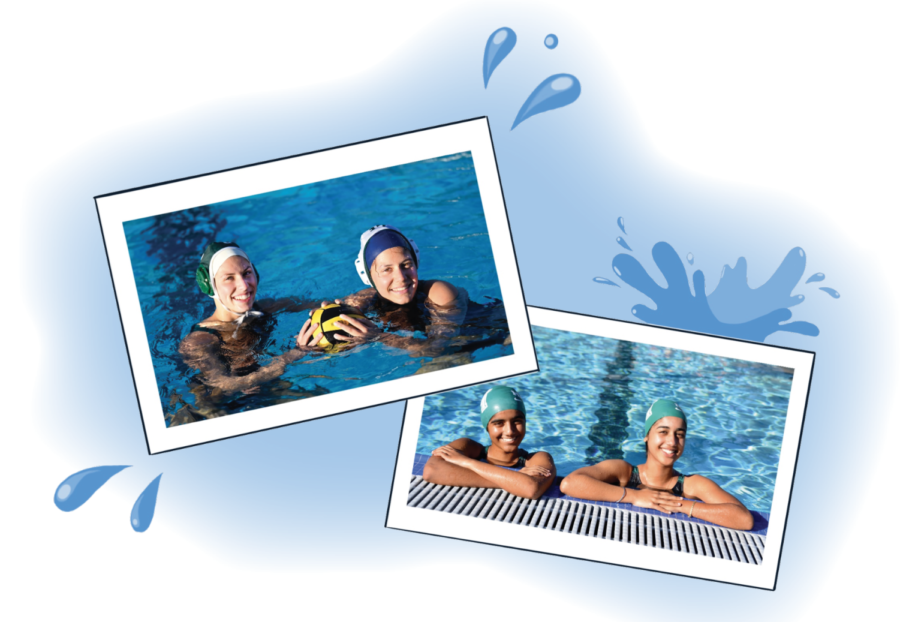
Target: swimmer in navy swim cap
388 262
466 462
656 484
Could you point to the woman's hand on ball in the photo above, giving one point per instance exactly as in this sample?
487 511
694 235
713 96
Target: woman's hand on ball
305 339
357 328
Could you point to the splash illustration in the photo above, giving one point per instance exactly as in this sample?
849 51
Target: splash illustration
818 276
621 241
499 45
677 307
145 506
79 487
551 41
734 302
558 90
690 258
621 223
830 292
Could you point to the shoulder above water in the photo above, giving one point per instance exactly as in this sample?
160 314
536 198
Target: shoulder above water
440 292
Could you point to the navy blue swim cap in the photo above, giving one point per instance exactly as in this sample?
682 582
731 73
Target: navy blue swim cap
382 241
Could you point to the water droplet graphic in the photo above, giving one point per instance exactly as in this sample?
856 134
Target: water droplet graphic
551 41
558 90
623 243
830 292
690 258
145 506
605 281
79 487
499 45
621 223
818 276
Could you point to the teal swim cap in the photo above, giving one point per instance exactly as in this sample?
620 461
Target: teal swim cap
497 400
660 409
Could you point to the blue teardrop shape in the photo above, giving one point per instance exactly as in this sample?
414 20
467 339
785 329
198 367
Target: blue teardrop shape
558 90
690 258
604 281
551 41
623 243
79 487
621 223
818 276
830 292
145 506
499 45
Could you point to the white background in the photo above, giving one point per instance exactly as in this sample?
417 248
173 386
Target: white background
799 98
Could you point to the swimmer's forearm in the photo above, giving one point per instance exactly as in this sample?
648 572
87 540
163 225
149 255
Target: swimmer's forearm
476 474
728 515
586 487
514 482
270 372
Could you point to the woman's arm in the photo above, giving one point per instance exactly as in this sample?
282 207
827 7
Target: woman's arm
605 481
718 506
362 300
201 351
456 465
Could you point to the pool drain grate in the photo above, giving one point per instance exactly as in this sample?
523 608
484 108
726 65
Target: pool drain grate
588 519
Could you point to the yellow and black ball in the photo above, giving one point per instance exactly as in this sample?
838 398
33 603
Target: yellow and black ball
325 317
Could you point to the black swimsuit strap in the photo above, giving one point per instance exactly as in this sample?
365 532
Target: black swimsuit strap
196 328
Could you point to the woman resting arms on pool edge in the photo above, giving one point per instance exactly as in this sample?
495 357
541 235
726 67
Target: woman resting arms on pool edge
225 346
465 462
656 484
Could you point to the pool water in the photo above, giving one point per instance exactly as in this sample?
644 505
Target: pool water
303 242
589 401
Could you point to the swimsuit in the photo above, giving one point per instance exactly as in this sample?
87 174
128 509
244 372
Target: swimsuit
518 465
259 337
635 482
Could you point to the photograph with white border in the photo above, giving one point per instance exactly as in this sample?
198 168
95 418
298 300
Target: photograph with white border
337 280
634 445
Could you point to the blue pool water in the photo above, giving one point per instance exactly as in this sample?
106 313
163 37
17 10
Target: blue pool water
589 401
303 242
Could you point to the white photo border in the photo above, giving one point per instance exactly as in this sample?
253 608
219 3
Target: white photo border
763 576
465 136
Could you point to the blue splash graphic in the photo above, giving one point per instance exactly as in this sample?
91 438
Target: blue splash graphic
690 258
605 281
551 41
621 223
818 276
79 487
499 45
145 506
623 243
734 302
558 90
678 308
830 292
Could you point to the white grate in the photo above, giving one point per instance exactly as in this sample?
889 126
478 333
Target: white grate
590 520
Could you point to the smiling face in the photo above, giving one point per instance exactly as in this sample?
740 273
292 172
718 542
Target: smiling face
665 442
236 285
395 276
507 429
